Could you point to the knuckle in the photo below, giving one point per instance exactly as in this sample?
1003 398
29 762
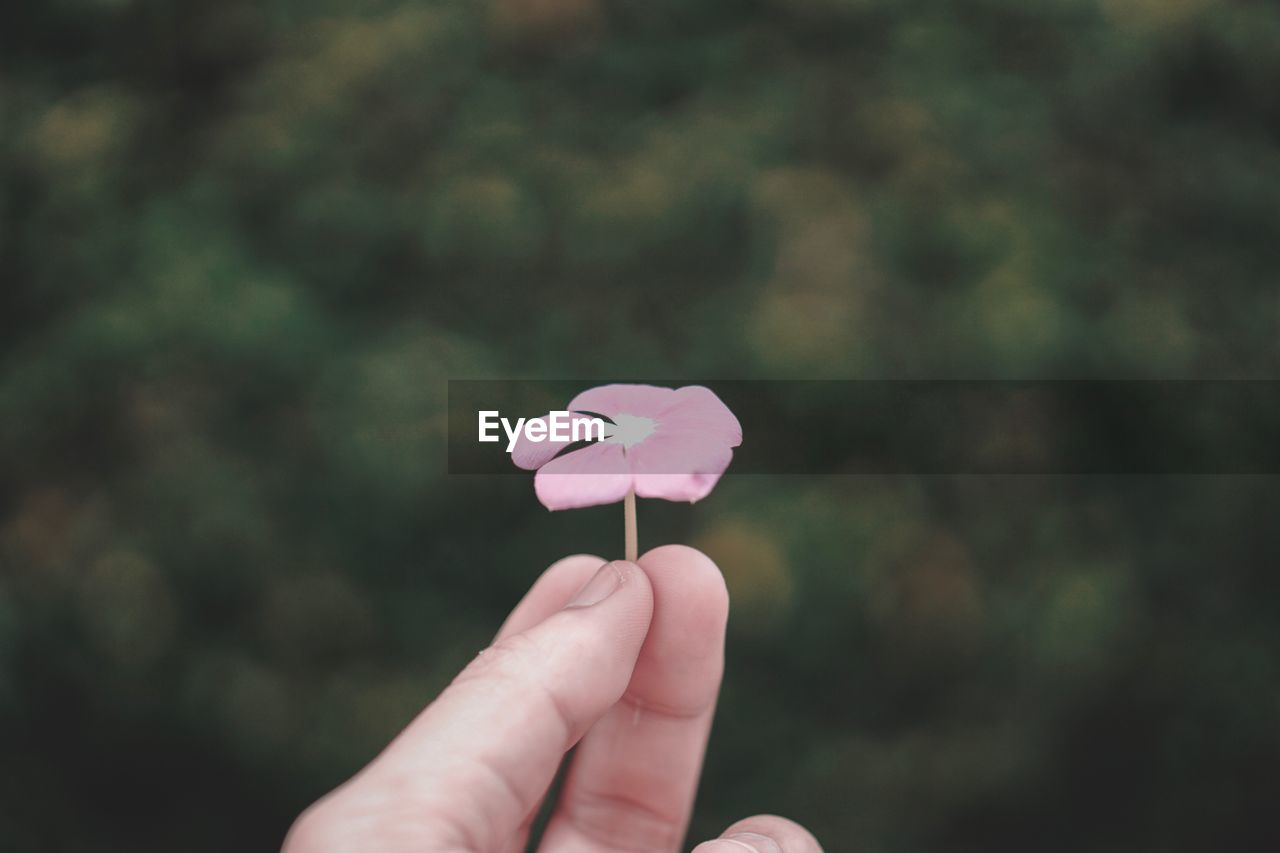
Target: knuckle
610 818
508 658
516 667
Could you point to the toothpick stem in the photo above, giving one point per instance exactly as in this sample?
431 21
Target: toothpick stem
629 516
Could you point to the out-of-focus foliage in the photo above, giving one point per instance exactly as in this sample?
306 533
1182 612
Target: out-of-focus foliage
243 245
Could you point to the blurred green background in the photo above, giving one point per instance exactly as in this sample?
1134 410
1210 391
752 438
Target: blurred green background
244 245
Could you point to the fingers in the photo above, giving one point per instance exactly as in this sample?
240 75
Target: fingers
469 769
763 834
633 778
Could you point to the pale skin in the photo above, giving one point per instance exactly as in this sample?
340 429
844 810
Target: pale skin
623 660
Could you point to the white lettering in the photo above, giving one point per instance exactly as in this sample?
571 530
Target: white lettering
536 430
486 425
558 427
593 425
559 424
512 433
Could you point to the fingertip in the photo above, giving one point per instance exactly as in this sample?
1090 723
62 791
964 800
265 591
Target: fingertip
573 560
677 553
624 593
692 573
557 585
567 575
586 653
637 588
691 599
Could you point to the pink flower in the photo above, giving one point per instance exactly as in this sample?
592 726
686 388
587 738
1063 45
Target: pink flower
671 443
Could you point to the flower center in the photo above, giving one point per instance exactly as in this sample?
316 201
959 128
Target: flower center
630 430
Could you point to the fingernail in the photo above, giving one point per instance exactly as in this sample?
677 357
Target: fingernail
600 587
755 842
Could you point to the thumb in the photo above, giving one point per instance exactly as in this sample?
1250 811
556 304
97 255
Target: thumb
479 758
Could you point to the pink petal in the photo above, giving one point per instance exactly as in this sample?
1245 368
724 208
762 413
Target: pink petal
644 401
596 474
676 487
697 408
534 454
678 465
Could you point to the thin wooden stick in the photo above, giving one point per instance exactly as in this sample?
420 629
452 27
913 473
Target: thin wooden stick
629 518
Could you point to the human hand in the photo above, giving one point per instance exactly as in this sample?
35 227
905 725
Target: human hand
623 660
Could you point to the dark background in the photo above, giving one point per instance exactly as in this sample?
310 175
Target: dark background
244 246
